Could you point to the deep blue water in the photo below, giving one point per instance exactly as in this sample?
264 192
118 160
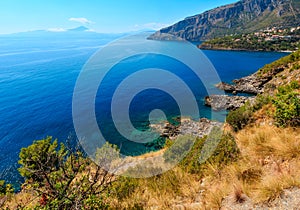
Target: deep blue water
37 78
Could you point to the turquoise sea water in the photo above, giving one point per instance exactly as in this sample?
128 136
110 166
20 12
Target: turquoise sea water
38 75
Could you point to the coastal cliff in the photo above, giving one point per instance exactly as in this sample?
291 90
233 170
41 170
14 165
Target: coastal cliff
264 81
245 16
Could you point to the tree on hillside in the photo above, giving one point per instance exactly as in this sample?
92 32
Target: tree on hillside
63 177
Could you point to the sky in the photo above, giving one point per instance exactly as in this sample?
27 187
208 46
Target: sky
109 16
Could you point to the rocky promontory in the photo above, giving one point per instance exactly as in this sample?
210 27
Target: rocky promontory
249 84
252 84
186 126
225 102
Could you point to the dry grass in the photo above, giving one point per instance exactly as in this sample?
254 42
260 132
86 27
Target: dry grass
269 163
163 191
273 186
214 197
19 200
266 141
264 116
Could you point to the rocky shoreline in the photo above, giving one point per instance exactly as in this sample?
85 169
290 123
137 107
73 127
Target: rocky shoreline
225 102
186 126
210 47
252 84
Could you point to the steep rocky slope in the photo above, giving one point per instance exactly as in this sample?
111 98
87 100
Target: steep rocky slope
264 81
242 17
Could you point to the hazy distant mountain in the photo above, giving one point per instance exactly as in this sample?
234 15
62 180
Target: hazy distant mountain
79 29
241 17
78 32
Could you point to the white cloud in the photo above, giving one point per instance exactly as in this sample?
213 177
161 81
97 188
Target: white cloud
153 25
81 20
56 29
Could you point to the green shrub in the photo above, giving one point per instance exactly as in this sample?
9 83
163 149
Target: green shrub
63 177
294 85
223 146
169 143
194 154
5 188
179 149
94 202
217 148
281 62
240 117
40 158
123 187
296 66
166 183
260 101
287 103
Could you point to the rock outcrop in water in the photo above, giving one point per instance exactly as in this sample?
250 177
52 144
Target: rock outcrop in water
252 84
245 16
187 126
224 102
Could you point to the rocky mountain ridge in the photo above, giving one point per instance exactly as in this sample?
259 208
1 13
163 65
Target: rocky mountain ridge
244 16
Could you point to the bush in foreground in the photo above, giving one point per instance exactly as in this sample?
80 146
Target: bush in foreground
5 188
241 117
287 103
216 149
62 177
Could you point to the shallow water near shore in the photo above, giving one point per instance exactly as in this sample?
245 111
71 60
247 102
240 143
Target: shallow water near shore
37 79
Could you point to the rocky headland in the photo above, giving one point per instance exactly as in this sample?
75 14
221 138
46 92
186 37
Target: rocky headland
186 126
225 102
252 84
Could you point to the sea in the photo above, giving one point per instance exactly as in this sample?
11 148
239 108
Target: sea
38 73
